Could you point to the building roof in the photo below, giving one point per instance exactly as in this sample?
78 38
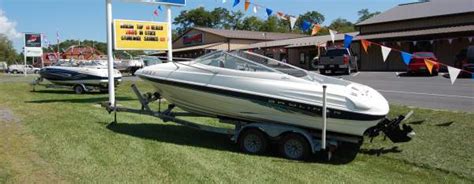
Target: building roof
197 47
454 29
424 9
299 42
248 35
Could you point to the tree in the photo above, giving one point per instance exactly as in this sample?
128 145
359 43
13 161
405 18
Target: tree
273 24
7 51
311 16
195 17
342 26
253 24
364 14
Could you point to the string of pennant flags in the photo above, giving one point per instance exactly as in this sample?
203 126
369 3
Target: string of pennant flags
307 25
315 27
406 57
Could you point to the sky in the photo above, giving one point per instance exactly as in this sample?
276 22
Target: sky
85 19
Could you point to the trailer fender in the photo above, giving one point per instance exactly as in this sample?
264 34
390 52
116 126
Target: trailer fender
274 131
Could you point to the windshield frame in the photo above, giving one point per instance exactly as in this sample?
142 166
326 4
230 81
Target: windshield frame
306 76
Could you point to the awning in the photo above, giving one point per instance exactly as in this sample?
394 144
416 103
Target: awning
444 30
211 46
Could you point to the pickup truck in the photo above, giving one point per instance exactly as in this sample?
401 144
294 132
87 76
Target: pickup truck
337 59
21 69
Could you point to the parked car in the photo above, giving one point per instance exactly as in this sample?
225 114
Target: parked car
336 60
465 61
3 66
418 65
21 69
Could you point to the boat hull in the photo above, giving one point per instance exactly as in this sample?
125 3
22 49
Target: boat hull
224 103
75 75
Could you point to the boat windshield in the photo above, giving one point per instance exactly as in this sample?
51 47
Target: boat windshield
249 61
72 63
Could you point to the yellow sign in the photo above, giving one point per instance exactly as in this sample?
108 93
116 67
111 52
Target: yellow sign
140 35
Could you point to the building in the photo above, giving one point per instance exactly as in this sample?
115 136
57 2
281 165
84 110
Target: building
440 26
81 53
299 52
197 41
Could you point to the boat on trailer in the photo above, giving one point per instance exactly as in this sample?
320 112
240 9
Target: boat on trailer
270 100
81 76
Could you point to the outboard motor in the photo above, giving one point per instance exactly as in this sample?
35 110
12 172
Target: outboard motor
392 129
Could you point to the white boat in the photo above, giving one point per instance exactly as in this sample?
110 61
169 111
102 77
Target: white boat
249 87
86 74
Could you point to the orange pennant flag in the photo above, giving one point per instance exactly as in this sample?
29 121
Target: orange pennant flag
316 29
247 4
429 64
365 45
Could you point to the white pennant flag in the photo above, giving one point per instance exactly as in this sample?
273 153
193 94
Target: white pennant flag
255 9
385 52
333 35
414 42
453 73
470 39
293 21
450 40
431 42
399 44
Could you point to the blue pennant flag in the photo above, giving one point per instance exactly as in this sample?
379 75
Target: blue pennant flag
347 40
406 57
269 12
159 8
305 25
236 2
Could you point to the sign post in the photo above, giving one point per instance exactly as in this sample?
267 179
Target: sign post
110 54
110 59
170 40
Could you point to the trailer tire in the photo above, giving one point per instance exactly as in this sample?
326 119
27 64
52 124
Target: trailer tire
294 146
79 89
253 141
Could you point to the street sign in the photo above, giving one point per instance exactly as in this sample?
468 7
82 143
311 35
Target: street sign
140 35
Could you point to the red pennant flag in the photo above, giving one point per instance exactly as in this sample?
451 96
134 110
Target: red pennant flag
365 45
155 12
247 4
316 29
429 64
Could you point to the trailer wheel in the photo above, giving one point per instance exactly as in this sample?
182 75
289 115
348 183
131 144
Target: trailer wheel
79 89
253 141
294 146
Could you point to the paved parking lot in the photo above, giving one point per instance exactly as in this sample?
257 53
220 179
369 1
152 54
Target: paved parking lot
420 91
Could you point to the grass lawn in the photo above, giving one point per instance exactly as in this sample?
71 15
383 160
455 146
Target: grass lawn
57 136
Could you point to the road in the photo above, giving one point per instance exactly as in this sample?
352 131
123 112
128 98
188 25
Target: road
420 91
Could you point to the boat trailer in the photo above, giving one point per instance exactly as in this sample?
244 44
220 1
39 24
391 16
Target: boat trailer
77 88
316 141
